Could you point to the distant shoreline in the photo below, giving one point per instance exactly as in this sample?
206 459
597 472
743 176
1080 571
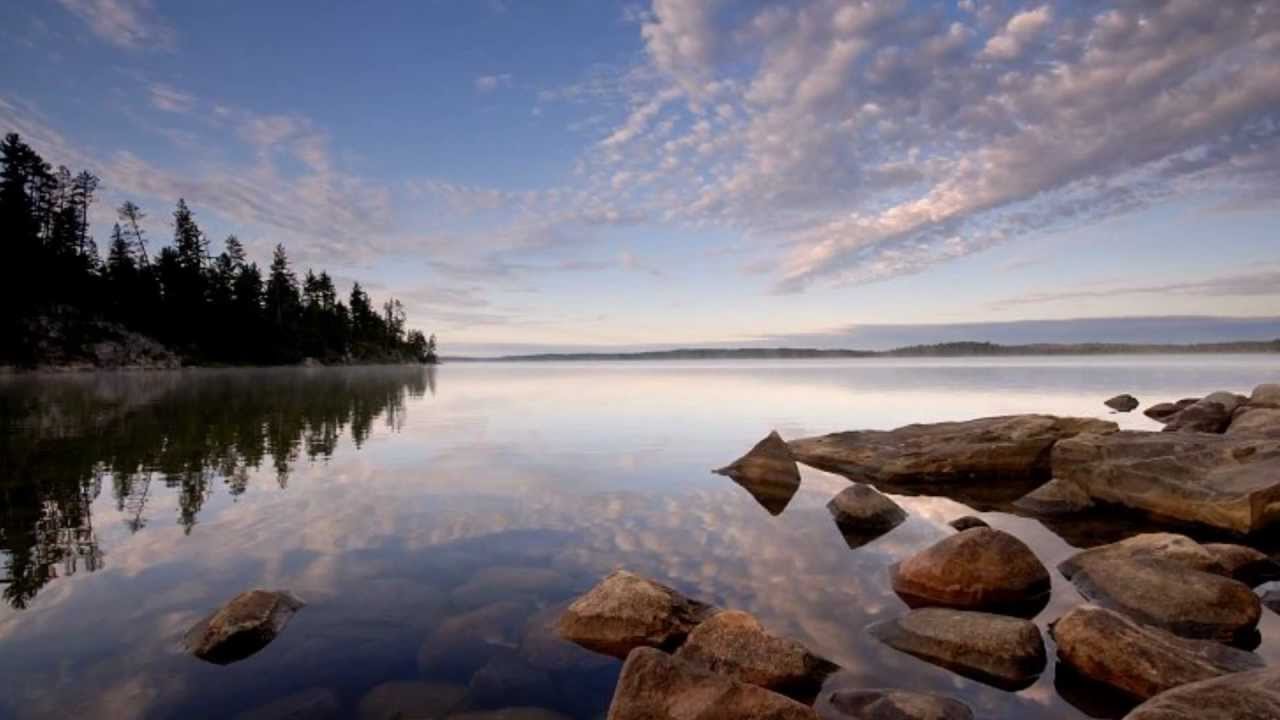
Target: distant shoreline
956 349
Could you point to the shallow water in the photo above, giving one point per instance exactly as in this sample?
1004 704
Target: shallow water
435 519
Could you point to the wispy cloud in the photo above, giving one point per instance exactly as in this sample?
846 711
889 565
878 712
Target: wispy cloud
1243 284
489 83
165 97
130 24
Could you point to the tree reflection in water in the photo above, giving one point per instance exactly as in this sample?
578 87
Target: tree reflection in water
63 438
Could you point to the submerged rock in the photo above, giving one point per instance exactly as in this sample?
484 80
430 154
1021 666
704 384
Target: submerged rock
1210 414
508 680
314 704
967 522
1012 446
1224 481
979 568
242 627
657 686
1253 695
1164 412
462 644
734 644
768 471
1055 497
1243 563
397 700
863 514
1140 660
511 713
1002 651
625 611
897 705
1122 403
1161 580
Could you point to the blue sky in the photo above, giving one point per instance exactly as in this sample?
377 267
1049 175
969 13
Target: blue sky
534 176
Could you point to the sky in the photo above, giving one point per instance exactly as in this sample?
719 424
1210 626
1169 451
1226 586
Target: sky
581 174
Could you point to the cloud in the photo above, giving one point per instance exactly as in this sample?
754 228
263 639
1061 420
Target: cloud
489 83
164 97
129 24
1242 284
1020 31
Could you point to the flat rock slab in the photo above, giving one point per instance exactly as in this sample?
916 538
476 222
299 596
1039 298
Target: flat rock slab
1253 695
1140 660
896 705
657 686
734 644
1224 481
979 568
768 471
242 627
1002 651
625 611
1153 579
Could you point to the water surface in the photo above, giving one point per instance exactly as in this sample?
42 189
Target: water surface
435 519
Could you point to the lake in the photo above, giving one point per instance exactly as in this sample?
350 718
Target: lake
436 519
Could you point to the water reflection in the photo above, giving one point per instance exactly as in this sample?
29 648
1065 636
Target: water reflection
66 439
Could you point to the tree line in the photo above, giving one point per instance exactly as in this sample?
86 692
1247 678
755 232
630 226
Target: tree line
56 288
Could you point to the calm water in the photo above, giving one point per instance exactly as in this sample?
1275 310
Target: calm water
436 519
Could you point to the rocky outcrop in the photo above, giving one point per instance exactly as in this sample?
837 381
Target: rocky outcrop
1253 695
999 650
1122 403
1012 446
1164 412
863 514
657 686
768 472
1140 660
980 568
1245 564
968 522
625 611
1210 414
1157 580
1229 482
1056 497
895 705
242 627
734 644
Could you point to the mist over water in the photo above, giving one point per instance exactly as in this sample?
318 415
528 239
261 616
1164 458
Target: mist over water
435 519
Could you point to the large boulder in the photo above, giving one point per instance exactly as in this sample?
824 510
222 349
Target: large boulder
734 644
1140 660
895 705
625 611
1229 482
971 455
1162 581
657 686
1243 563
1253 695
243 626
863 514
768 471
1056 497
1165 411
1122 403
1002 651
979 568
1210 414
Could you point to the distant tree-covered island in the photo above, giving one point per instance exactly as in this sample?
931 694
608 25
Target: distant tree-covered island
62 303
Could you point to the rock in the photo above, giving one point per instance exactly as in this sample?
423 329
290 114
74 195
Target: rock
1172 547
734 644
1266 395
768 472
1229 482
863 514
542 646
1253 695
1210 414
397 700
657 686
1122 403
1163 412
897 705
967 522
1245 564
242 627
1140 660
313 704
1006 446
625 611
1055 497
1002 651
1259 421
508 680
462 644
1157 584
980 568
